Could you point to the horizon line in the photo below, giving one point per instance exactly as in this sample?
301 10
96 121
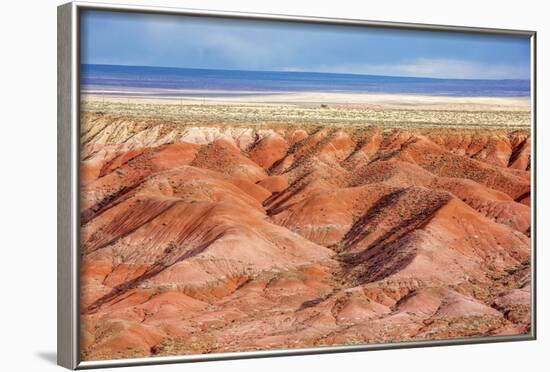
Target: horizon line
296 71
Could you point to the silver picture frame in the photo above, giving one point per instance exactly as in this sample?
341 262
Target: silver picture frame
68 225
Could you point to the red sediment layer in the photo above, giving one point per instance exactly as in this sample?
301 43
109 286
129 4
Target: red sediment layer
302 239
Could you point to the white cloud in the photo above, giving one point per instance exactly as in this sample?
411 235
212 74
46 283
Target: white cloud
188 43
436 68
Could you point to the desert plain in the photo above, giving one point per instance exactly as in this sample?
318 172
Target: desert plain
224 225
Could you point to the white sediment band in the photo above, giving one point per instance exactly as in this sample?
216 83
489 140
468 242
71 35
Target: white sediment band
367 100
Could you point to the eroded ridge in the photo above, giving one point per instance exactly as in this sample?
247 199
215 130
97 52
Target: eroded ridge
203 239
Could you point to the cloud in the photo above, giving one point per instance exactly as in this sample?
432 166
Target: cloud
435 68
190 43
175 41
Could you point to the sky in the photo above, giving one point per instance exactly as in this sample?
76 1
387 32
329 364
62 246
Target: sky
213 43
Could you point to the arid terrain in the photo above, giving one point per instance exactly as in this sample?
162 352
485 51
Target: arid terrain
204 231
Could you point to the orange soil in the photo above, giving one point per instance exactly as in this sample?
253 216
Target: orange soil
294 238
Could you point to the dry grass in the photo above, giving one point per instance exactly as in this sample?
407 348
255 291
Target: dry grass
338 116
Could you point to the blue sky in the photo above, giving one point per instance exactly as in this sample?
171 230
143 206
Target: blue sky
197 42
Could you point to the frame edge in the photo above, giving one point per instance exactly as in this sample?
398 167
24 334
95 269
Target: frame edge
66 340
68 172
216 13
534 186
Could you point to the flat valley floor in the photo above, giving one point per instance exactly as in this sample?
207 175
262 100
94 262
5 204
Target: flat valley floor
210 228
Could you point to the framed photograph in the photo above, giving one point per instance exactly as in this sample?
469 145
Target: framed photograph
236 185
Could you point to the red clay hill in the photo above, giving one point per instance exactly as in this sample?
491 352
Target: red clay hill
208 240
